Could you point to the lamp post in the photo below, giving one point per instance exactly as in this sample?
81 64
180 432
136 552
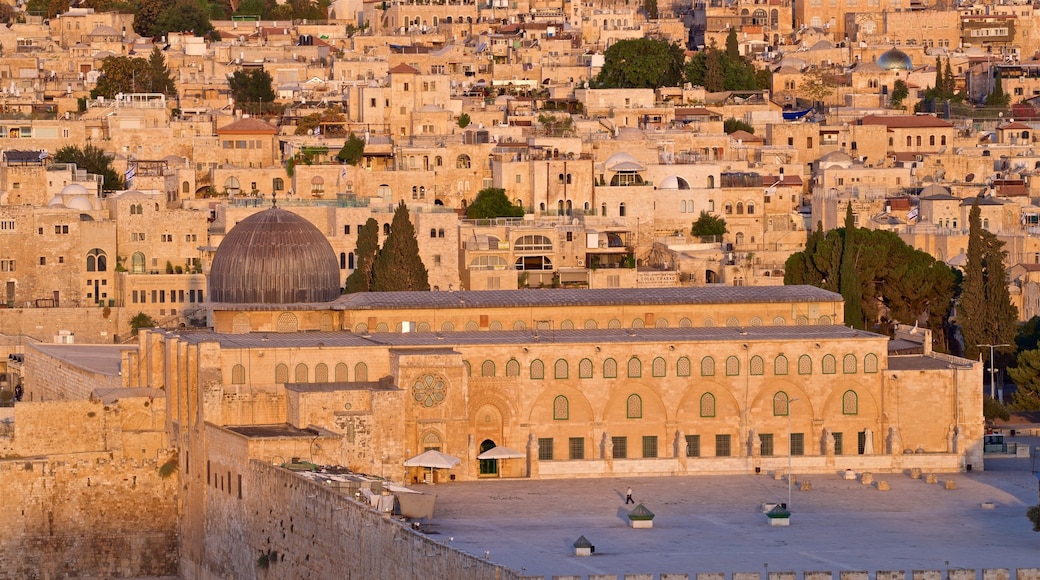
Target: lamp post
992 368
790 476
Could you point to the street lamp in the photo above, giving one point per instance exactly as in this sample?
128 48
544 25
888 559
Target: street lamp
992 368
790 475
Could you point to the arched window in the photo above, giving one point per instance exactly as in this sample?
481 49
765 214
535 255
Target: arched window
870 363
850 403
780 365
321 373
909 141
711 182
707 405
137 263
781 404
830 364
462 162
341 372
848 364
634 407
447 326
585 369
302 373
537 369
728 208
281 374
824 321
614 323
386 229
512 368
931 140
487 369
185 187
361 372
779 321
682 367
802 321
287 322
804 365
610 369
638 323
757 366
635 368
707 367
685 322
708 323
732 366
278 184
561 408
560 370
96 260
238 375
756 321
519 325
621 209
533 243
740 208
658 367
751 208
566 325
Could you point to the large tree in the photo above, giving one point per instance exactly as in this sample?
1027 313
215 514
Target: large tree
1026 375
124 74
360 280
985 312
848 276
253 89
94 160
160 77
398 266
896 283
641 63
725 70
492 203
708 225
353 150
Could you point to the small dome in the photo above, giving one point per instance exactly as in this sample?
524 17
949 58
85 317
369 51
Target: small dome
836 159
274 257
895 59
80 202
674 182
621 157
56 201
74 189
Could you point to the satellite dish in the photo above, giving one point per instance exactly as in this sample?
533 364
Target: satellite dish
969 177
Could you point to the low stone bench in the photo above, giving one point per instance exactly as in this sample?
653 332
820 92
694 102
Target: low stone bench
931 478
805 485
866 478
950 484
915 473
882 485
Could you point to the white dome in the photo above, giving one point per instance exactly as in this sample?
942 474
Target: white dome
836 159
74 189
621 157
80 202
56 201
674 182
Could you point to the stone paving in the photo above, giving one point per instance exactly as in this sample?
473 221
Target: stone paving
715 523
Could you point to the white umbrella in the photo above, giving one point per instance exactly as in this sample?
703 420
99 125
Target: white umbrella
501 453
433 459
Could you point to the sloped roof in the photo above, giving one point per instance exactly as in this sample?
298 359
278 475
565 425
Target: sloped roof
248 126
403 69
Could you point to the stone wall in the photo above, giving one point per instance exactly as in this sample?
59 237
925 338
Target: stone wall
285 526
97 325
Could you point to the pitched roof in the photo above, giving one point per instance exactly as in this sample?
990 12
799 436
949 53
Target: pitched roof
904 121
248 126
403 69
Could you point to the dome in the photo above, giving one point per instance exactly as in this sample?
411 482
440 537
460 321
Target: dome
836 159
80 202
674 182
74 189
56 201
895 59
274 257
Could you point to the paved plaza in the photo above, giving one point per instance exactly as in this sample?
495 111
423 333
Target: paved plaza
715 524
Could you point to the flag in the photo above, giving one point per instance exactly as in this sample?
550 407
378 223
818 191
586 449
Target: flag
128 177
913 214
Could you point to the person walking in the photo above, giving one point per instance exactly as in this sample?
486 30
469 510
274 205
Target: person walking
628 496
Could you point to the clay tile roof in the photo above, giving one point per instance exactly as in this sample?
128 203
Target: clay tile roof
248 126
403 69
1014 125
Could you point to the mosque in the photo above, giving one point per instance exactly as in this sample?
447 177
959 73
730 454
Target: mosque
582 383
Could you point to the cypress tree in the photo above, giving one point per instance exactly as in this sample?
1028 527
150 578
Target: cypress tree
940 84
360 280
851 288
732 47
985 312
397 266
949 82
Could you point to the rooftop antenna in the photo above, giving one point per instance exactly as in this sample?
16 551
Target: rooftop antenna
274 200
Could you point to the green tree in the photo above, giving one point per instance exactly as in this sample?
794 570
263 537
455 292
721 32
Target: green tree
353 150
949 84
899 93
360 280
47 8
849 281
714 75
998 98
708 225
94 160
159 76
464 120
732 47
184 16
252 90
641 63
139 321
732 125
650 7
993 409
398 266
147 13
985 312
122 74
718 70
556 125
492 203
816 85
1026 375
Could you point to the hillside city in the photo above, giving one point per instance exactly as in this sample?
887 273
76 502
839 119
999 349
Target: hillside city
218 221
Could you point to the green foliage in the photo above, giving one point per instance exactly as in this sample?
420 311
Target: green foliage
849 281
492 203
94 160
650 7
993 409
169 468
899 94
641 63
1028 335
998 98
717 70
817 85
155 18
47 8
708 225
897 284
464 120
398 266
307 124
1033 514
732 125
353 150
1026 375
732 47
122 74
252 90
985 312
360 280
139 321
556 125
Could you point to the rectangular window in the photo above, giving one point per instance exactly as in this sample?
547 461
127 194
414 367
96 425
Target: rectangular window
545 449
767 444
437 260
155 296
577 447
570 236
722 448
649 446
620 445
346 230
797 443
837 443
43 261
693 446
861 441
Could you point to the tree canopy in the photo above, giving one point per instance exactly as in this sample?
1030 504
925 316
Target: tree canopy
492 203
124 74
891 281
353 150
985 312
360 280
155 18
252 90
94 160
1026 374
725 70
732 125
708 225
398 266
641 63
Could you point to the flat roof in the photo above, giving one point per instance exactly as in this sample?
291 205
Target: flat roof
275 430
99 358
920 362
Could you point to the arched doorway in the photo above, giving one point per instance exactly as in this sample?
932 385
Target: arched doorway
488 466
